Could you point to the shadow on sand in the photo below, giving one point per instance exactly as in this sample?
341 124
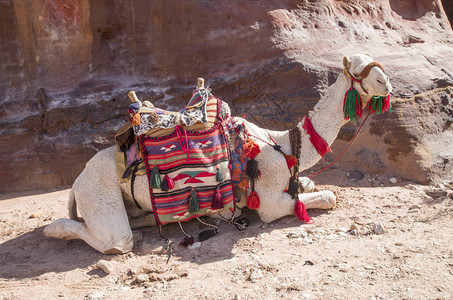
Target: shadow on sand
32 254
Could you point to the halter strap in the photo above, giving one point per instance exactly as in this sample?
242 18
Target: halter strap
368 67
358 81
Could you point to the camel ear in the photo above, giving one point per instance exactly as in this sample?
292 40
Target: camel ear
346 62
369 55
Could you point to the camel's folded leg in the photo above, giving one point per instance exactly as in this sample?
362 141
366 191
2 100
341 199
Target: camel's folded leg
100 203
67 229
320 200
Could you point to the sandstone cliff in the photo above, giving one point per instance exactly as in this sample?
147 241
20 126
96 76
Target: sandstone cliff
67 67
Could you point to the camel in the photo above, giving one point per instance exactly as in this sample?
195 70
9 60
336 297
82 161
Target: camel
107 208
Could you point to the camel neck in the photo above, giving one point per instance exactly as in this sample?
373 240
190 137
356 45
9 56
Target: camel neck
327 117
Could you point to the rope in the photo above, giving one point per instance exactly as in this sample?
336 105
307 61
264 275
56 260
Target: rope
347 148
240 226
207 224
183 231
258 138
168 244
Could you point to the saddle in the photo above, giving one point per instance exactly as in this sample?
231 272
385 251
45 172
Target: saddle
185 155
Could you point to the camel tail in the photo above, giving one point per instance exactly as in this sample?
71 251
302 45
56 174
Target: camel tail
72 206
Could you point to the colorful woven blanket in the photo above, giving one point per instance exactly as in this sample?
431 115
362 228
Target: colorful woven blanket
188 172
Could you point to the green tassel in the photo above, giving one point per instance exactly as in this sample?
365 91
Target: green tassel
219 176
379 103
193 202
154 178
352 106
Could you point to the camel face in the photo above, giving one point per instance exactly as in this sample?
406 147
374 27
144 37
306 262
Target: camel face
376 83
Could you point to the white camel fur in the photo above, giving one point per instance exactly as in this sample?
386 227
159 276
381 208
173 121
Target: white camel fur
106 206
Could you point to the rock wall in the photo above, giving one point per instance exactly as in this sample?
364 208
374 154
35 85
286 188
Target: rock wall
67 67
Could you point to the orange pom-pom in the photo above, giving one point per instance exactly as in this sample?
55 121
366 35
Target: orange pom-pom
136 119
253 201
251 149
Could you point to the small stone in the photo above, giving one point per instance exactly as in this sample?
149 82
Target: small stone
140 279
343 234
414 210
97 295
342 229
35 215
194 245
378 228
306 296
300 233
354 227
106 266
370 268
354 232
415 206
308 263
344 270
393 180
255 275
437 193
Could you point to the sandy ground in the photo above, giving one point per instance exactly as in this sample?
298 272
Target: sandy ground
286 259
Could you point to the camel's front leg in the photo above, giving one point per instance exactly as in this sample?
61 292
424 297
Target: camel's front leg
276 205
320 200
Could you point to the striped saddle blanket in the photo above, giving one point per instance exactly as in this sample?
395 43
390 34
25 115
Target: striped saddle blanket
188 167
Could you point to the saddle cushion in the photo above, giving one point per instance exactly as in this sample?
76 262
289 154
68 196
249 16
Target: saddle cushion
192 160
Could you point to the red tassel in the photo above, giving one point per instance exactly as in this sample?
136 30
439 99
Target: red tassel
291 160
301 212
170 182
251 149
317 141
253 201
217 202
387 105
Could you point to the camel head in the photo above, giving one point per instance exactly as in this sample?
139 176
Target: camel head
370 87
374 81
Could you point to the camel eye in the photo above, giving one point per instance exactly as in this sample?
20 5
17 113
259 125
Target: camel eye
380 81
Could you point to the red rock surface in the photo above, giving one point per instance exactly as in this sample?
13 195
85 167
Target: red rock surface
67 67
